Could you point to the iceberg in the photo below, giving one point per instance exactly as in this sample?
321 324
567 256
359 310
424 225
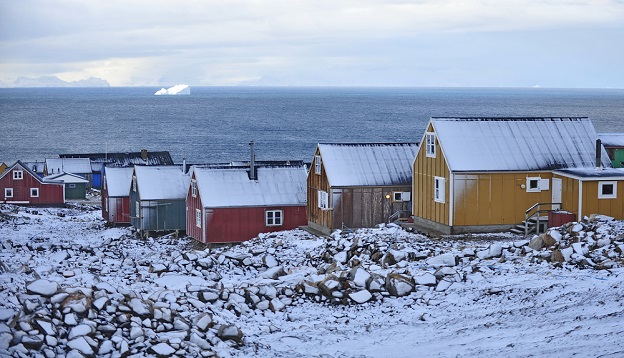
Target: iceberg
177 89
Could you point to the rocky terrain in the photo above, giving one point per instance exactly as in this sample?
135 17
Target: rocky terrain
70 286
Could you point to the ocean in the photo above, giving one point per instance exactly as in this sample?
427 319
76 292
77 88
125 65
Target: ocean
216 124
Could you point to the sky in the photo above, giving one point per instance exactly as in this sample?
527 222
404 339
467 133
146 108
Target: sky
420 43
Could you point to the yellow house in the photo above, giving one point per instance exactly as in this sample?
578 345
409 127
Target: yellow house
3 168
356 185
482 174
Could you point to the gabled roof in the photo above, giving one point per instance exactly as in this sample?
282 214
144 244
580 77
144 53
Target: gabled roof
231 187
67 178
613 140
161 182
68 165
118 181
368 164
126 159
24 168
36 167
517 144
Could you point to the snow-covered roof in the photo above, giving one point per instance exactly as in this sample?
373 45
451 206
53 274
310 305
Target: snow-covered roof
231 187
36 167
368 164
612 139
68 165
508 144
161 182
589 173
118 181
23 167
125 159
67 178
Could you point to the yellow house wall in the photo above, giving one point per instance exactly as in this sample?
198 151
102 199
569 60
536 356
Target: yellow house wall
315 183
425 169
593 205
495 198
569 194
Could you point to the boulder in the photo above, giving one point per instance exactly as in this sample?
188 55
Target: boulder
162 350
42 287
537 243
228 332
360 296
399 285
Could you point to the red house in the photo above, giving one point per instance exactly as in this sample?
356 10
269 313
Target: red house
20 185
235 204
116 194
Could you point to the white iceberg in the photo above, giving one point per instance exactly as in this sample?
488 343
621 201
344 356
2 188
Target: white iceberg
177 89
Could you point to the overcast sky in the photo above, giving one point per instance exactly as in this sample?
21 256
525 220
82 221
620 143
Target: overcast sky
548 43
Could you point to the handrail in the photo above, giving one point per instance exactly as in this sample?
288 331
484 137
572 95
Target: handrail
397 215
537 212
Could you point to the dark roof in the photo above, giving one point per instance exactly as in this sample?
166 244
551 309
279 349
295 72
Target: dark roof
126 159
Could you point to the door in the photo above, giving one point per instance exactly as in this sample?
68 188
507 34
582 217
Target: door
556 193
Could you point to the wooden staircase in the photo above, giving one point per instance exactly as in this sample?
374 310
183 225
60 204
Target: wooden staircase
534 220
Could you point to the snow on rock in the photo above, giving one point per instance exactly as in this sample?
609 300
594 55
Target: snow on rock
373 289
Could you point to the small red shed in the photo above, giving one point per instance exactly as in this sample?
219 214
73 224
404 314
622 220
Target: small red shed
20 185
116 194
235 204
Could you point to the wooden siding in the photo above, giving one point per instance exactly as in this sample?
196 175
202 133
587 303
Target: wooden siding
360 207
482 199
241 224
569 194
316 182
425 171
193 203
50 194
118 210
610 207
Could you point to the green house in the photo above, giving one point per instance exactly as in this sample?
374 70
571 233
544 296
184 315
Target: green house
75 185
614 144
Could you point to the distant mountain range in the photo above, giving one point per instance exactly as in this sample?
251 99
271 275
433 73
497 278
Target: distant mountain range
53 81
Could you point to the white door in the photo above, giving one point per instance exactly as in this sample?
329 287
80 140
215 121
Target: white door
556 193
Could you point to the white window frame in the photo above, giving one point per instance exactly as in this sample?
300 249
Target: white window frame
71 186
439 189
194 188
18 175
430 144
274 217
317 164
399 196
541 184
198 218
34 192
8 192
602 184
323 200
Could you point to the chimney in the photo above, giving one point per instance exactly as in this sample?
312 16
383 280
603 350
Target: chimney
184 165
144 154
252 164
598 154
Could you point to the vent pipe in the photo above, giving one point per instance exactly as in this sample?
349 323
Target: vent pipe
598 154
184 165
252 164
144 154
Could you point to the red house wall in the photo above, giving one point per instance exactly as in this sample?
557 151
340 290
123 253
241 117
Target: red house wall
49 194
242 224
192 203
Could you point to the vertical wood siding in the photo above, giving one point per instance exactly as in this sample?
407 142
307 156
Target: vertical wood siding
316 182
593 205
49 194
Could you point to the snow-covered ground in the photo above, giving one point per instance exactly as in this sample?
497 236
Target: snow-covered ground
71 286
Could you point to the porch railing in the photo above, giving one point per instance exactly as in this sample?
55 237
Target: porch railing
535 211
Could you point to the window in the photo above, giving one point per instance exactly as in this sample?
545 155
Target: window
401 196
134 183
71 186
439 195
536 184
273 217
8 192
430 144
194 189
34 192
18 175
198 218
607 190
317 164
323 199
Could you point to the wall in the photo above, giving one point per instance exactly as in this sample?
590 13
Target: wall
316 216
49 194
360 207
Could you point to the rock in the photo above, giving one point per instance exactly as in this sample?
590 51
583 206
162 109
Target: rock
33 343
204 321
7 314
79 330
106 347
399 285
426 279
269 261
142 308
329 285
443 260
548 240
273 272
567 253
230 332
80 344
162 350
77 302
42 287
536 243
45 326
557 256
276 305
359 276
361 296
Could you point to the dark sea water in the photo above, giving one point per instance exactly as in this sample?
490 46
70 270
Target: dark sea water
216 123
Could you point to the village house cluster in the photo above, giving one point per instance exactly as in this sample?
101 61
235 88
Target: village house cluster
468 174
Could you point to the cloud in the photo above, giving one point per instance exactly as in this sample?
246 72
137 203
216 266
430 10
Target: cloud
286 41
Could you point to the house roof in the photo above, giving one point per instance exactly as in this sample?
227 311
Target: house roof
231 187
68 165
161 182
67 178
118 181
368 164
25 168
36 167
589 173
510 144
125 159
612 139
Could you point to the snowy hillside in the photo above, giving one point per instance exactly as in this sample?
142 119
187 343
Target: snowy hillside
73 287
